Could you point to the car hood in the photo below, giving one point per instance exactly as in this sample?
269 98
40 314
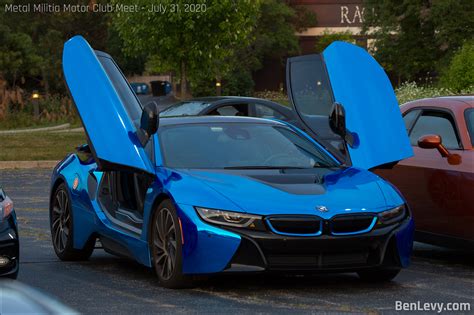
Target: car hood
267 192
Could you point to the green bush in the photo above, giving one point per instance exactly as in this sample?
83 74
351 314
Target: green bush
328 37
238 82
410 91
279 97
53 110
460 73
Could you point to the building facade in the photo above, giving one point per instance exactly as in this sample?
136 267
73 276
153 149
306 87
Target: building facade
333 16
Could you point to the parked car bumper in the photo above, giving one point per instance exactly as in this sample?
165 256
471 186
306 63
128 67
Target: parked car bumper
9 246
210 249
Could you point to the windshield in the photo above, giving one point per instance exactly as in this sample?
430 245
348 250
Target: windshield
184 109
239 145
124 91
469 114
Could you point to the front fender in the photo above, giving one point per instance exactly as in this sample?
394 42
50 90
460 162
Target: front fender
67 171
206 248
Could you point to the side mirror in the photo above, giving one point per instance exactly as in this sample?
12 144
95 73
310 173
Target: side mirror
149 122
337 122
431 142
436 142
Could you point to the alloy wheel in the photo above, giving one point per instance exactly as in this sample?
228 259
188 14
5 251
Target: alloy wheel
164 244
60 220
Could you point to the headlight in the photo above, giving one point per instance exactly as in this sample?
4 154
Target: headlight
392 216
6 207
230 218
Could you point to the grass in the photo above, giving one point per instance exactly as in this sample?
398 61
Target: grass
26 121
39 146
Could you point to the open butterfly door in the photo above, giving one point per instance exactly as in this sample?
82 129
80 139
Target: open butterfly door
107 106
349 75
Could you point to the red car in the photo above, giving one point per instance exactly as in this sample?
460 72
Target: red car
438 182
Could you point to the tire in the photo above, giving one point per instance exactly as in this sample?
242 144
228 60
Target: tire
166 247
378 275
61 226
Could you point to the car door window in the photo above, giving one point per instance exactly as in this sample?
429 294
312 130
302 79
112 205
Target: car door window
263 111
128 97
410 118
232 110
439 123
469 115
185 109
124 91
310 87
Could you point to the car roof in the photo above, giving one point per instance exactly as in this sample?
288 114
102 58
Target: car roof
463 98
213 99
455 102
183 120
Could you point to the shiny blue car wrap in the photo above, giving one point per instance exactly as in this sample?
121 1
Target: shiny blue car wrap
375 99
208 248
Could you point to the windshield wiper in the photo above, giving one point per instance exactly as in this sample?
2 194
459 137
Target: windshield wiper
262 167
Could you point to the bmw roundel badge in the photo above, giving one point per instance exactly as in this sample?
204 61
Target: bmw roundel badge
322 208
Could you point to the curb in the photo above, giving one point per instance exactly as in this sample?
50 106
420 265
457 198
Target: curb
76 130
15 131
12 165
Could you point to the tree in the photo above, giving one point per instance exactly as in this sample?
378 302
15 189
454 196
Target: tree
47 34
273 38
129 64
328 37
460 73
417 37
185 41
17 56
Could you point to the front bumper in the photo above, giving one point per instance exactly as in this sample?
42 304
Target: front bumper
9 246
380 247
210 249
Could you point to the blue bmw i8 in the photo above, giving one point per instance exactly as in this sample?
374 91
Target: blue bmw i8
202 195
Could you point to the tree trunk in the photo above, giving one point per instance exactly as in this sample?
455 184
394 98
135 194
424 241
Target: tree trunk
45 80
218 86
184 87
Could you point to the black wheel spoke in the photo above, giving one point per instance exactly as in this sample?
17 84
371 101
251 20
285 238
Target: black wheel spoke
60 220
172 258
170 230
66 219
173 243
63 239
164 243
157 229
56 237
163 267
170 265
61 200
66 209
161 229
168 223
56 223
161 258
158 243
58 201
56 210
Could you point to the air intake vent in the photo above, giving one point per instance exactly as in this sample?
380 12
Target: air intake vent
352 224
295 225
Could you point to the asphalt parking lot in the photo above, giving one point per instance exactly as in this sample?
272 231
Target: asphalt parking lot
106 284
